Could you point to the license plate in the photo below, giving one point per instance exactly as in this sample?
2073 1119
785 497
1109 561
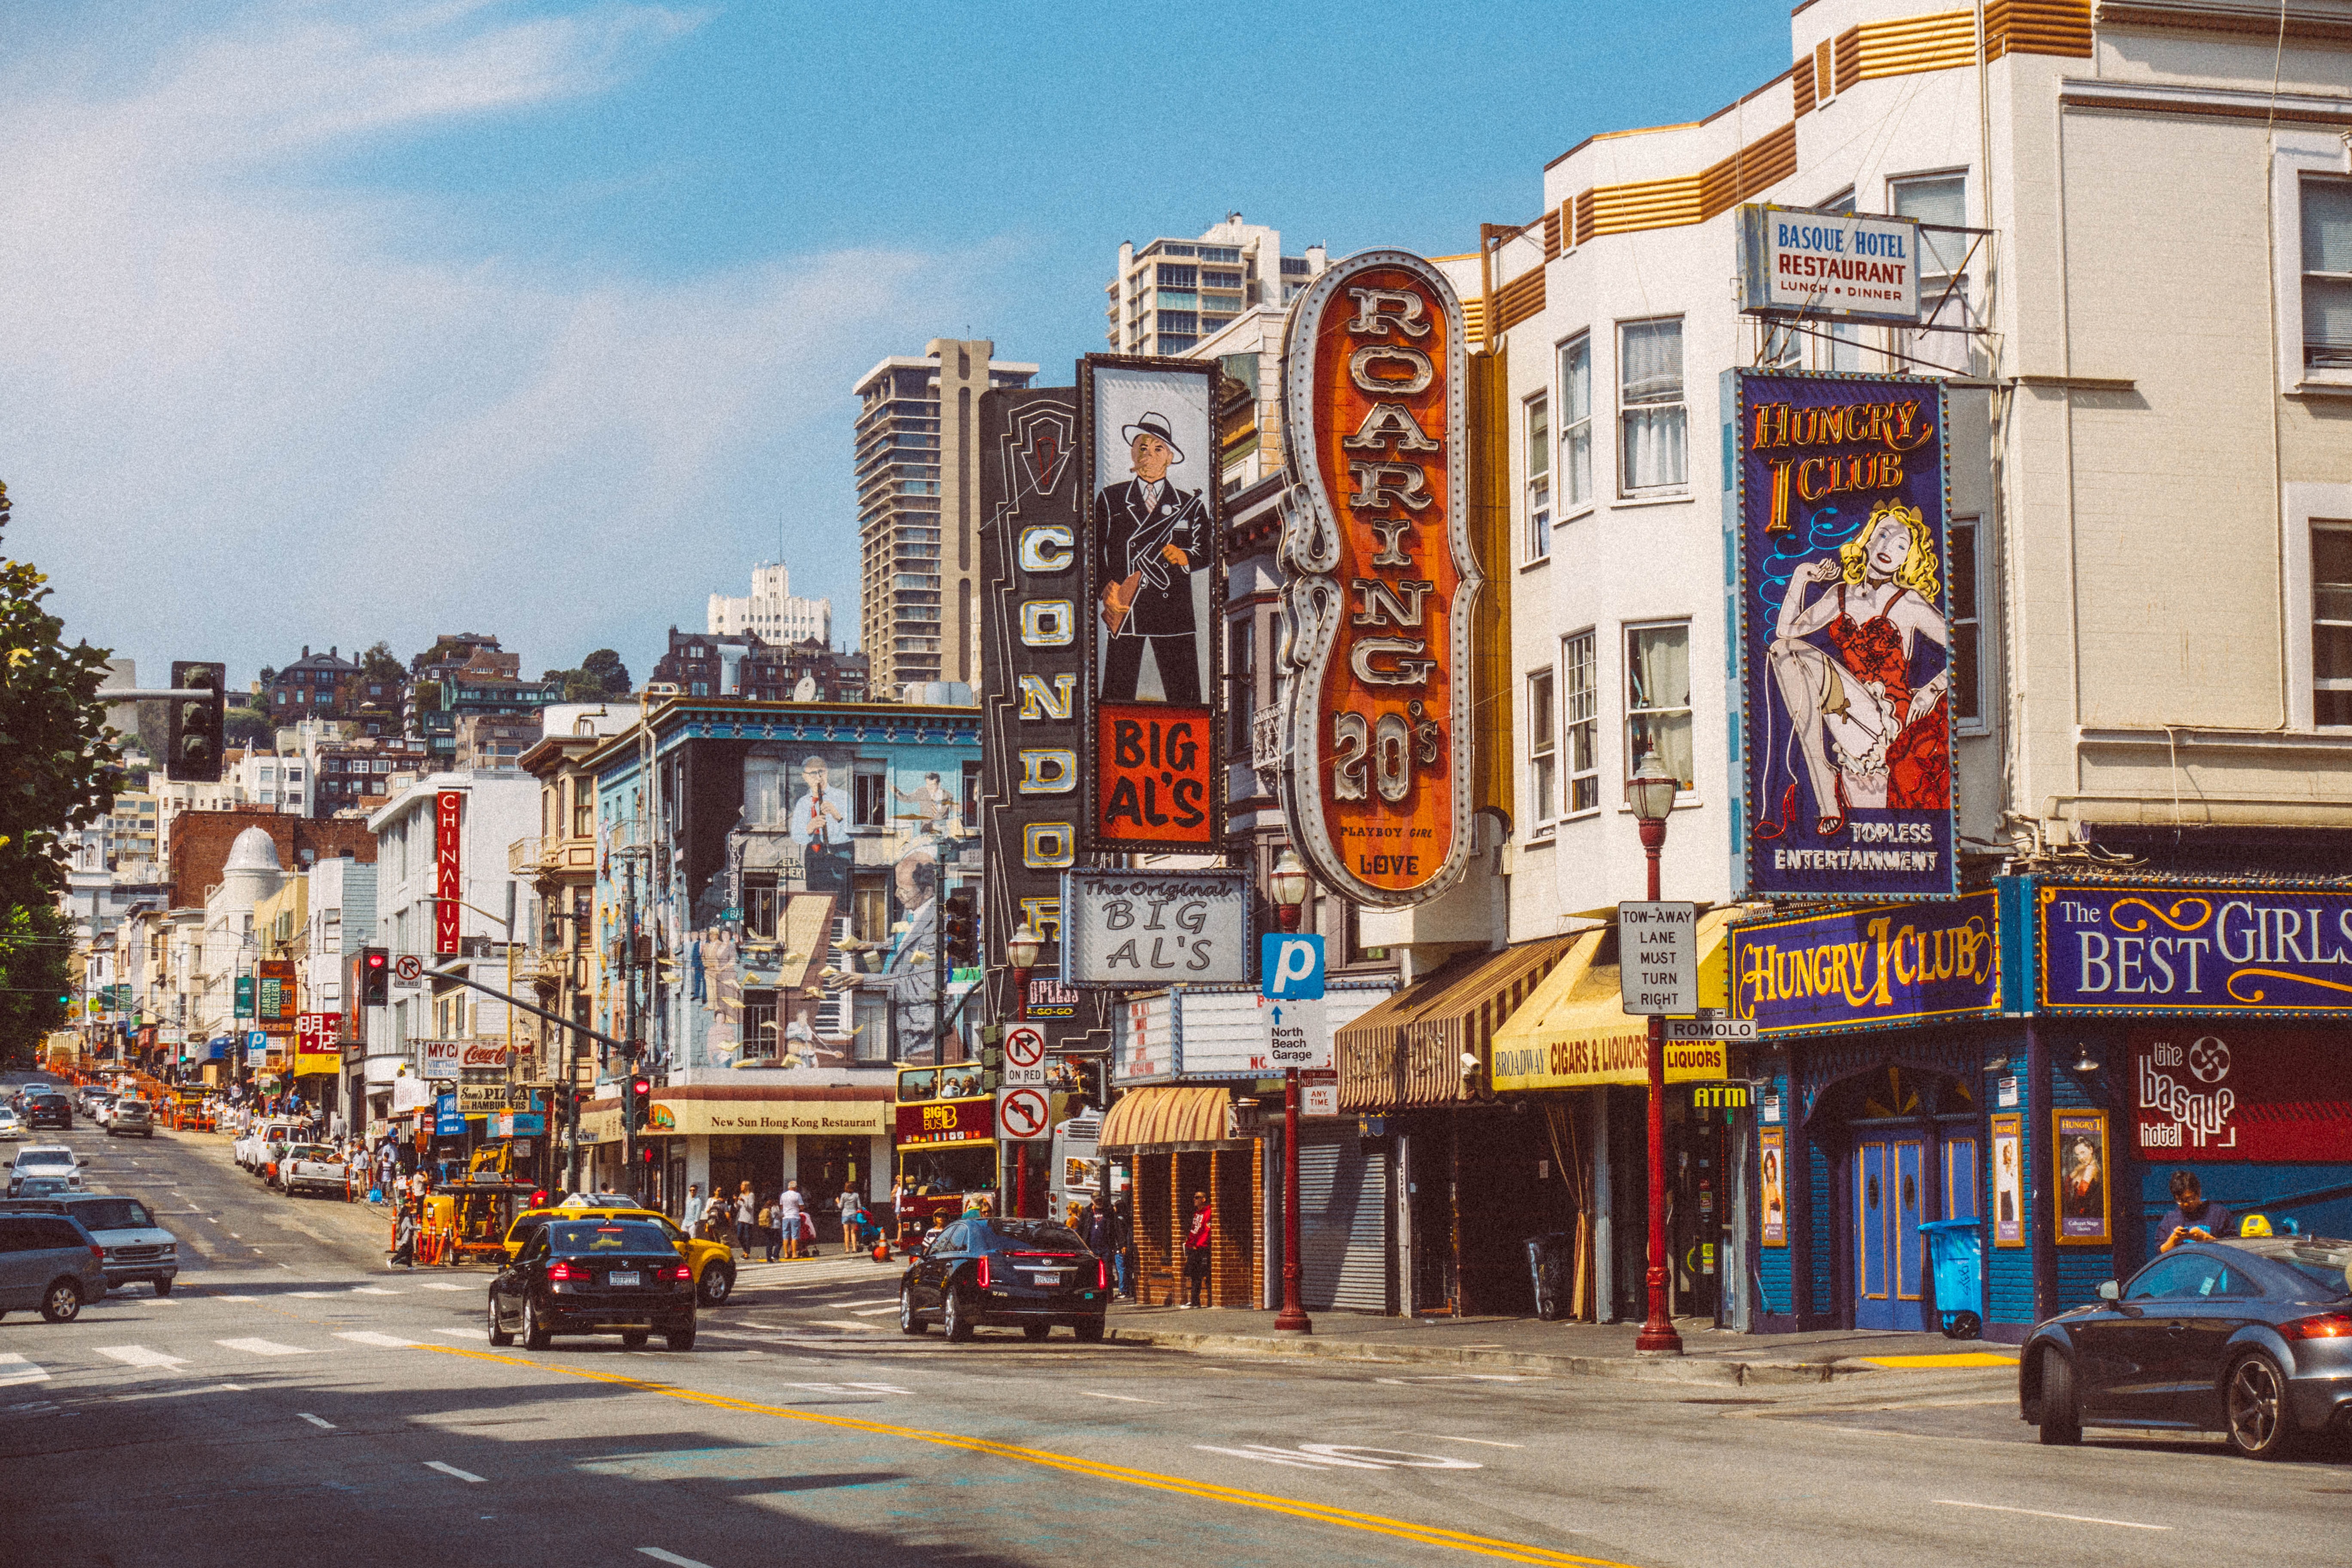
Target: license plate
620 1276
1051 1276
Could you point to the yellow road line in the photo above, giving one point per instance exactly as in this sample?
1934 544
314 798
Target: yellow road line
1378 1524
1956 1358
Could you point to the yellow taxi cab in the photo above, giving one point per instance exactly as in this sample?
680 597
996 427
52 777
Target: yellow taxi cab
713 1262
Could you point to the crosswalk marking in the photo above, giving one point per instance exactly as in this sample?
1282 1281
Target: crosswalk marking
139 1355
442 1285
481 1336
311 1295
372 1291
263 1347
383 1341
451 1470
315 1421
874 1312
16 1369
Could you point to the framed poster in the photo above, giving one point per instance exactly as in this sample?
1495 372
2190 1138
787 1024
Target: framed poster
2008 1180
1845 652
1155 778
2080 1140
1774 1185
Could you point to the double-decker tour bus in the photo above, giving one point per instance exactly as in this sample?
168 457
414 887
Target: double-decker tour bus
946 1138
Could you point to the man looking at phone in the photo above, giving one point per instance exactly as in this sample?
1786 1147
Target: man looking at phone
2193 1216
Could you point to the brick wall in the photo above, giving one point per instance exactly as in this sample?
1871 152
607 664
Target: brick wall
1157 1265
200 840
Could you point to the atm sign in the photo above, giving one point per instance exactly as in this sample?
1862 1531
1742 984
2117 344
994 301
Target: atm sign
947 1122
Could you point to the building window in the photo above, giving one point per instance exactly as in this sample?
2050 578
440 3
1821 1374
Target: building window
1579 679
1967 648
869 796
1542 748
760 908
1576 423
2327 274
1657 697
1537 420
1942 200
1241 685
2331 622
1650 414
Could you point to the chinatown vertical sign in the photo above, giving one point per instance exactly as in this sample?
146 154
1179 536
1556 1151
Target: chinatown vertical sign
1380 581
449 869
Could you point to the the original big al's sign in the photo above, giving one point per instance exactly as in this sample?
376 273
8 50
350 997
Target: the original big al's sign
1381 581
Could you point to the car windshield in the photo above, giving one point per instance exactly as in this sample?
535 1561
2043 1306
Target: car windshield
114 1213
611 1236
45 1157
2328 1266
1038 1233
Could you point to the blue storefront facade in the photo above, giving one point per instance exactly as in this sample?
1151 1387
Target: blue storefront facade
2037 1058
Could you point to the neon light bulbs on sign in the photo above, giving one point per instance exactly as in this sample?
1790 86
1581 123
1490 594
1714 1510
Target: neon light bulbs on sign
1381 581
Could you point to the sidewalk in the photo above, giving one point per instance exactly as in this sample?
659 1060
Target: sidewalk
1588 1350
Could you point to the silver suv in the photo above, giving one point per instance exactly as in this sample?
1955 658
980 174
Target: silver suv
132 1116
49 1261
136 1245
45 1159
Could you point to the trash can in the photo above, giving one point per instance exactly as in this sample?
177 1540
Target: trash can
1550 1258
1956 1265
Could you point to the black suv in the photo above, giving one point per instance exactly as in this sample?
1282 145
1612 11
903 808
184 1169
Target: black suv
47 1108
1030 1273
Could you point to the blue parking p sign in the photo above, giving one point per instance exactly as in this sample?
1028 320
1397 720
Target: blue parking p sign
1290 967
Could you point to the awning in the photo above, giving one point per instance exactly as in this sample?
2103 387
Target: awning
802 1111
1572 1032
1408 1051
1169 1115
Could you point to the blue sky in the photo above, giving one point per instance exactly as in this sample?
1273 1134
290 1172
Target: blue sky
322 323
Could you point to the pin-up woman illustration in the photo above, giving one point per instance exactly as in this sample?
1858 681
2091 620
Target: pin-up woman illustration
1844 663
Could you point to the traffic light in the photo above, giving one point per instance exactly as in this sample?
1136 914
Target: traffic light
963 914
637 1101
375 978
193 754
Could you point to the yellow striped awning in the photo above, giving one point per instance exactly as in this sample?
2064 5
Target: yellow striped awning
1163 1114
1573 1032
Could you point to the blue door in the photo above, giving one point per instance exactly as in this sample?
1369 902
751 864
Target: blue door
1889 1191
1871 1295
1963 1193
1910 1246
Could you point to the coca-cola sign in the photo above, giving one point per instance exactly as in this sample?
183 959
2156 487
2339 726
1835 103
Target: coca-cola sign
2240 1094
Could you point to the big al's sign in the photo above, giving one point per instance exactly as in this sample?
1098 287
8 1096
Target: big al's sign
1845 654
448 873
1380 581
2125 949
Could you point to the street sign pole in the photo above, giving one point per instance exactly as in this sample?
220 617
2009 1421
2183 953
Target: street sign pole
1290 968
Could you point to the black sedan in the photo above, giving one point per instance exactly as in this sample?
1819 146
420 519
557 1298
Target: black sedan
48 1109
2250 1338
1030 1273
594 1277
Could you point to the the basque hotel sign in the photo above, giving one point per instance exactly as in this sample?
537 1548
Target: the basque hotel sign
1904 963
1380 581
1854 267
2122 949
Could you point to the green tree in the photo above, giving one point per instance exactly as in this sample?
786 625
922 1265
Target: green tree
380 663
34 941
611 674
248 727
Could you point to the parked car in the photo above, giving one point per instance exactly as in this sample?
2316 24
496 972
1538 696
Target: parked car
263 1144
594 1277
12 1126
100 1107
48 1108
1029 1273
2251 1337
53 1160
713 1262
312 1168
137 1248
49 1261
132 1116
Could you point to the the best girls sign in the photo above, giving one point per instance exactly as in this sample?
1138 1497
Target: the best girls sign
1843 742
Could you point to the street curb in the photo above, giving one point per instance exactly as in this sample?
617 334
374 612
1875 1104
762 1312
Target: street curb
1709 1370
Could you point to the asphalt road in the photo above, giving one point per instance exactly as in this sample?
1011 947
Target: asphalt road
297 1399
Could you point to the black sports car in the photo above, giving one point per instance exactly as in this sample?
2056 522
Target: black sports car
2251 1337
1029 1272
594 1277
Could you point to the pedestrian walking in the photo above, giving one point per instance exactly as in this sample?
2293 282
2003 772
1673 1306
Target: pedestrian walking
853 1217
1196 1253
746 1212
902 1203
692 1217
770 1229
790 1208
1103 1240
404 1237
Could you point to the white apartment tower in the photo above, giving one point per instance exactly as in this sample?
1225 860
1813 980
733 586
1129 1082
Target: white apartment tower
771 613
1171 293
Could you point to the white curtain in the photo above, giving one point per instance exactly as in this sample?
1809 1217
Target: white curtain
1657 697
1650 381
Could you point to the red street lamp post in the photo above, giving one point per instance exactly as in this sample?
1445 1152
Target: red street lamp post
1288 885
1650 793
1021 950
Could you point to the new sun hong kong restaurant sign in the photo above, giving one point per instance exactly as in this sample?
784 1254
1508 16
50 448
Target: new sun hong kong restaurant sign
1380 581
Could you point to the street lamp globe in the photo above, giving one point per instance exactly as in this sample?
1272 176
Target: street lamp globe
1651 791
1022 948
1287 884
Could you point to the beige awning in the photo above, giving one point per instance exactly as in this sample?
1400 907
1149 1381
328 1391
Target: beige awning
1408 1051
1162 1115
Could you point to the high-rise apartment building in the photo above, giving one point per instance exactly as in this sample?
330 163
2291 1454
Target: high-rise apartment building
1172 293
919 509
771 613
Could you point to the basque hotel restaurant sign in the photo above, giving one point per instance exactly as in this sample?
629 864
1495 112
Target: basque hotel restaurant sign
1861 968
1153 543
1380 581
1846 738
1851 267
2207 1091
2213 950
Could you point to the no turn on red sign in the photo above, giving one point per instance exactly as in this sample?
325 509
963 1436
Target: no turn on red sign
1024 1115
1024 1056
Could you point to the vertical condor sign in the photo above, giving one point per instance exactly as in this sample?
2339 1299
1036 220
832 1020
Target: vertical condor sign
1380 581
449 872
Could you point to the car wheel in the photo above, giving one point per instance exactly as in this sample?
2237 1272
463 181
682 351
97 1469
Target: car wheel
2260 1424
679 1339
1033 1333
61 1302
717 1284
909 1320
536 1335
2061 1419
162 1287
1089 1332
958 1322
634 1339
499 1337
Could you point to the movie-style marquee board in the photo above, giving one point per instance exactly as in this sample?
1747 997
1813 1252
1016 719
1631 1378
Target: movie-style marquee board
1153 606
1033 677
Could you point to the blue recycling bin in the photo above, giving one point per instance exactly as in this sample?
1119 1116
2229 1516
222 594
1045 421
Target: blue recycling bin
1956 1264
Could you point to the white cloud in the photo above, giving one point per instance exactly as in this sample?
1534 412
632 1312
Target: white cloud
239 411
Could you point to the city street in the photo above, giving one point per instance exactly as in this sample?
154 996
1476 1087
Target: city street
292 1382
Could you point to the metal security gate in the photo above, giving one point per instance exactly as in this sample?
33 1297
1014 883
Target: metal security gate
1342 1224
